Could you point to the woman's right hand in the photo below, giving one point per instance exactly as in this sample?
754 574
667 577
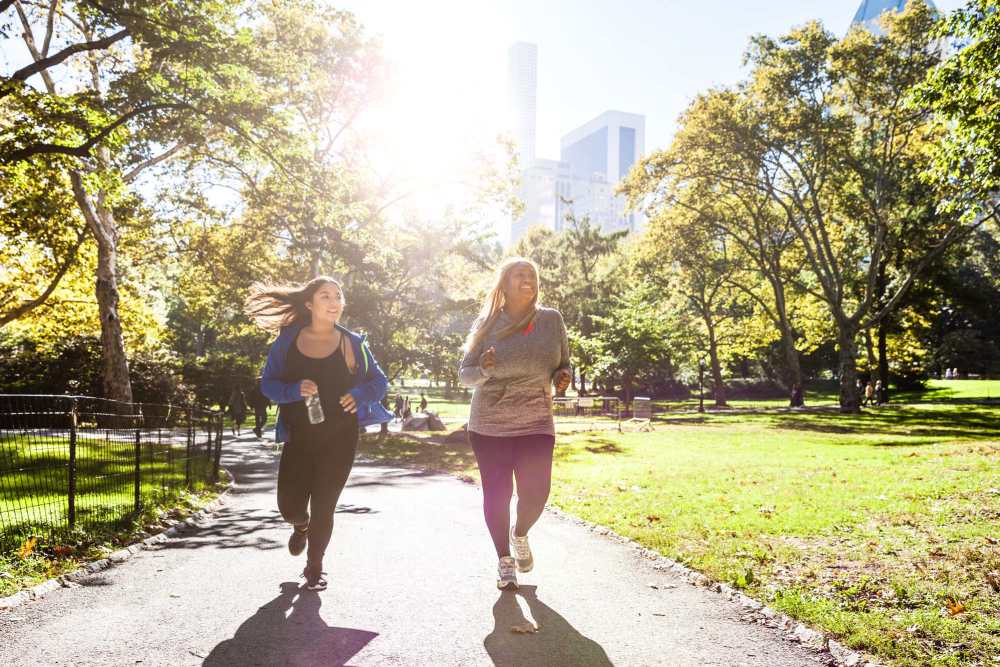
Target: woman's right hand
488 359
308 388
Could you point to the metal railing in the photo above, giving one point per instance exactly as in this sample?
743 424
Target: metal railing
78 462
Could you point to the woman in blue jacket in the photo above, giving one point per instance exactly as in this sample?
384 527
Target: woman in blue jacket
315 361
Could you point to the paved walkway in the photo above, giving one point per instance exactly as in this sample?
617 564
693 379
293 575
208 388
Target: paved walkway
412 583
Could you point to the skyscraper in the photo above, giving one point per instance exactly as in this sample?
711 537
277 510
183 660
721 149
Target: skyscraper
871 11
522 95
599 154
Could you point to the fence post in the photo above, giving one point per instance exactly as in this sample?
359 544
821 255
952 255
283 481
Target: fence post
138 482
218 449
190 441
72 463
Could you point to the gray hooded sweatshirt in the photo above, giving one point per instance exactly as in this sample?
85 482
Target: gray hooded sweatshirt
515 397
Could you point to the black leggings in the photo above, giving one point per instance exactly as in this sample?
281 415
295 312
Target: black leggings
311 475
528 458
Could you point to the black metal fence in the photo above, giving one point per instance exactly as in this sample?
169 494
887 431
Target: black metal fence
77 462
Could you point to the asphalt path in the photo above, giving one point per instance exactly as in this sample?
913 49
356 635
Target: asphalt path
412 582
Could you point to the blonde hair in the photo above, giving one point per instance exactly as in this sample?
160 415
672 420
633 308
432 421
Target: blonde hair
494 302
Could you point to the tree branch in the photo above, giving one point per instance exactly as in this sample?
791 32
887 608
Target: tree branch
31 304
142 166
44 63
83 150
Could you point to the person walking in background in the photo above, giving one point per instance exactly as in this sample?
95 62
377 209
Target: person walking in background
326 383
399 407
423 402
869 392
259 403
237 409
515 351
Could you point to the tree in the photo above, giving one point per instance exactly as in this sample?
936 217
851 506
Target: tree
967 157
820 128
639 338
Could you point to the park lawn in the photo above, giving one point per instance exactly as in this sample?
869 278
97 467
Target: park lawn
35 490
951 390
869 527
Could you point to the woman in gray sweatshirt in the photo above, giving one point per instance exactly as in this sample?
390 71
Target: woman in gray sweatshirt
515 352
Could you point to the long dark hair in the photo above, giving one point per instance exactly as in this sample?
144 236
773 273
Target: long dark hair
272 307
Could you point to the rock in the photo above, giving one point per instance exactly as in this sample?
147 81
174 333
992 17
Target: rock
844 656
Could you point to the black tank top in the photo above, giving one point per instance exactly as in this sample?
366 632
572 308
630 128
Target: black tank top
334 380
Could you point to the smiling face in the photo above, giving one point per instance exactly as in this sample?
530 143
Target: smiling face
521 285
326 304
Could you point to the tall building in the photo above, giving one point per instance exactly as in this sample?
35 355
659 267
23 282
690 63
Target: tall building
599 154
594 158
522 96
871 11
545 187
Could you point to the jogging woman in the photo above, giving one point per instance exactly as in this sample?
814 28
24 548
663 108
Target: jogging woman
315 358
515 351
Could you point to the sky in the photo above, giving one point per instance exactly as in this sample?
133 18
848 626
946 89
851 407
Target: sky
643 56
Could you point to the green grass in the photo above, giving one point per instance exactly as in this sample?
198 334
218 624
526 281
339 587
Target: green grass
34 486
866 526
949 390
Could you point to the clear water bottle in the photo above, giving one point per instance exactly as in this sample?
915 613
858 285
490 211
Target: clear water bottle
315 409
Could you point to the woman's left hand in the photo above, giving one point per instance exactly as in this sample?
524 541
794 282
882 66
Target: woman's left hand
562 380
347 402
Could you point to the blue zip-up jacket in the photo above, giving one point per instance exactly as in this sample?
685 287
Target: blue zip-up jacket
370 382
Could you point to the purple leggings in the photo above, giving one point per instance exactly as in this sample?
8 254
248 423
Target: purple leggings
528 458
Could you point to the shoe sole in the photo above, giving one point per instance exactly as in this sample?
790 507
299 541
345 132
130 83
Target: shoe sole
524 570
316 587
296 552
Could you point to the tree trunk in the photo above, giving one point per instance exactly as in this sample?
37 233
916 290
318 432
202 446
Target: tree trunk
883 357
718 386
850 402
794 369
114 362
583 384
883 363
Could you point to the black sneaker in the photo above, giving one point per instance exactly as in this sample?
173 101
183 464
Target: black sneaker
297 540
315 577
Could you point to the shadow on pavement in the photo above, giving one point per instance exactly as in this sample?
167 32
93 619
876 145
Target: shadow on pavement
273 636
556 643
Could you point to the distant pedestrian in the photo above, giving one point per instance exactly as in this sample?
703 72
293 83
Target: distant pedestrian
384 427
869 392
326 383
947 374
514 354
259 403
399 407
237 409
407 412
879 393
423 402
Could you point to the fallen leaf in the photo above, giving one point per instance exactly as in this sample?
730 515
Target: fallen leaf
992 540
61 550
526 628
27 548
652 517
954 607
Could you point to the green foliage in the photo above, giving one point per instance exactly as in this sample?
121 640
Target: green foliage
963 93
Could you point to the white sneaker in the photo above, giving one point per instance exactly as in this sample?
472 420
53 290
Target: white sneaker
522 552
506 574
